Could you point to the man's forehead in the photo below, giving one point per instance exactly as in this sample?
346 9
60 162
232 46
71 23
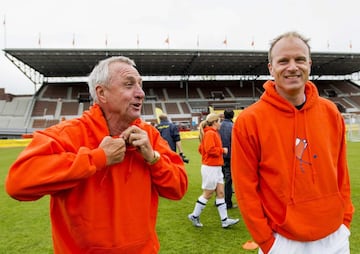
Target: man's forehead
290 46
291 41
126 69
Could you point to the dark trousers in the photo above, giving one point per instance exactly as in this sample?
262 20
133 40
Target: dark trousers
228 183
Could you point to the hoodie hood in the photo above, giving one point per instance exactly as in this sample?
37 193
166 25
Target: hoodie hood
98 129
272 97
95 119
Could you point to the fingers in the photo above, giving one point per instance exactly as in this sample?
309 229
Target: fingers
114 149
225 149
135 136
138 138
129 131
112 142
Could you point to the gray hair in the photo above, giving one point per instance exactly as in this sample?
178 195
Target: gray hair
100 73
286 35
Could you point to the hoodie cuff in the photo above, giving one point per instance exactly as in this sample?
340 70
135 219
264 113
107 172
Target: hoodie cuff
98 158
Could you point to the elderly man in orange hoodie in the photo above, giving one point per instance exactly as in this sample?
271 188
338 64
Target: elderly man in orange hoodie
104 171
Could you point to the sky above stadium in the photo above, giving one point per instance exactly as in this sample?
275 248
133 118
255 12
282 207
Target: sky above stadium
332 26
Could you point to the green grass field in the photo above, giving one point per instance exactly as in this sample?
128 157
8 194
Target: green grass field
25 226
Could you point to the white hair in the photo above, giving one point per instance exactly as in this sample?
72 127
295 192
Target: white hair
100 73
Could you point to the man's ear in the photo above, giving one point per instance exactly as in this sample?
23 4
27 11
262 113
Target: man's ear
100 93
270 69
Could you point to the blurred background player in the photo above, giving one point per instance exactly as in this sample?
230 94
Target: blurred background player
170 132
225 133
211 151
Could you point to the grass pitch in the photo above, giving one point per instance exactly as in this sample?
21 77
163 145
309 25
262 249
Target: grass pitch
25 226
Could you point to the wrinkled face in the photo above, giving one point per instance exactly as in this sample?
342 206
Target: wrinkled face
290 66
123 96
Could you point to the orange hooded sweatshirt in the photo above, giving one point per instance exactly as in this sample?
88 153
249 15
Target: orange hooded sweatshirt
97 208
210 148
289 168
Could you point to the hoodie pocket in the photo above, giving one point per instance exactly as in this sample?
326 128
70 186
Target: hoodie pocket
313 219
144 246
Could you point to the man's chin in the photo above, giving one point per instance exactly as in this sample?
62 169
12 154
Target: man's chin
135 115
294 84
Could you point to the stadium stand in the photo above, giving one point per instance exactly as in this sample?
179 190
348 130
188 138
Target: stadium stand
44 108
48 106
185 108
184 99
356 100
55 91
69 108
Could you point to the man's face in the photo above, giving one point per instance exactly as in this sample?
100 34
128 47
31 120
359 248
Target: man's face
290 66
123 96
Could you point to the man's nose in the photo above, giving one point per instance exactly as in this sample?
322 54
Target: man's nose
292 65
139 92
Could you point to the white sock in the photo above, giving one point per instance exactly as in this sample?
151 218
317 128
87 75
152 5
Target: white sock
199 206
221 206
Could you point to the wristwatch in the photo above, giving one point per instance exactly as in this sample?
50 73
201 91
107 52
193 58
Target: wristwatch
155 159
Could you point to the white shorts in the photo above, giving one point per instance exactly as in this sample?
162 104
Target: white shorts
211 176
337 242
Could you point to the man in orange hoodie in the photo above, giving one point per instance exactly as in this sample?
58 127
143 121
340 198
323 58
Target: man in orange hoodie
104 171
289 163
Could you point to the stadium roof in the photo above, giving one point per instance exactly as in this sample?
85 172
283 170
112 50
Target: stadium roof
80 62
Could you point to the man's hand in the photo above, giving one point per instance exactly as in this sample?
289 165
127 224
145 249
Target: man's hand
138 138
183 157
114 149
225 149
